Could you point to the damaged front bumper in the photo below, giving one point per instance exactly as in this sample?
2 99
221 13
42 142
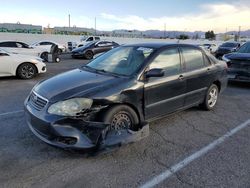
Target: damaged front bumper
71 133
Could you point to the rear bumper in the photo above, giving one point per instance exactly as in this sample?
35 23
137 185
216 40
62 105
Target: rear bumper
238 75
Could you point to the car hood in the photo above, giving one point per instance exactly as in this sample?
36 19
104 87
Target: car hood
238 56
76 83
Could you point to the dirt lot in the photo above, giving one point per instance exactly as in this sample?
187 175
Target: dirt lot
25 161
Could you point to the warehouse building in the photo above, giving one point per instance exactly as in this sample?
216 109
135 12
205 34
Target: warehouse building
73 31
20 28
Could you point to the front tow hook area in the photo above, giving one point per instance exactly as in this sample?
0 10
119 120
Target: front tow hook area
124 136
100 136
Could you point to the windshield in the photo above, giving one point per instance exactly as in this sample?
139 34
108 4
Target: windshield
89 44
122 61
245 48
229 44
83 38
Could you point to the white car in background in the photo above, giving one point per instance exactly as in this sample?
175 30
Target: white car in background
86 39
22 48
47 45
23 66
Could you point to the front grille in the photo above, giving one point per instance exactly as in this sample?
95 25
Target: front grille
37 101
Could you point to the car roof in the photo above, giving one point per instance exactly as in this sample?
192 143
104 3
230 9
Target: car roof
232 42
160 45
11 41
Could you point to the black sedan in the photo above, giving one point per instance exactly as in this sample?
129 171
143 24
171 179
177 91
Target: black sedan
225 48
110 100
239 64
89 50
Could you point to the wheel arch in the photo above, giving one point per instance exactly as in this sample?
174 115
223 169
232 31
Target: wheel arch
133 107
24 63
218 84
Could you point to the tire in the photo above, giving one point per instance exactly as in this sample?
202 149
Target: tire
89 55
44 56
211 97
121 117
26 71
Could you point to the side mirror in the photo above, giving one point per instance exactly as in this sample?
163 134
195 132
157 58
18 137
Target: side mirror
154 73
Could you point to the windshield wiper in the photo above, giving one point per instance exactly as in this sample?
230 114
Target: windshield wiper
101 70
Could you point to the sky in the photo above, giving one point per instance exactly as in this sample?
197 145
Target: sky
178 15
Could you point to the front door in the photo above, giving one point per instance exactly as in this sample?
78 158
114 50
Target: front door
165 94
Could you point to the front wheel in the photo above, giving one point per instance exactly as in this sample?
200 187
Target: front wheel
89 55
121 117
211 97
44 56
26 71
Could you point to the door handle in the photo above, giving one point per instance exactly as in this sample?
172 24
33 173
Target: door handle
208 70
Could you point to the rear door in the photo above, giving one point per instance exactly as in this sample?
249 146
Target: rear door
199 74
165 94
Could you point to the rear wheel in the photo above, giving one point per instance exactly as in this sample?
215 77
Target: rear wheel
89 55
26 71
44 56
211 97
121 117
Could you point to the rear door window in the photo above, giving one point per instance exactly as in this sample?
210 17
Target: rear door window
169 61
90 39
193 58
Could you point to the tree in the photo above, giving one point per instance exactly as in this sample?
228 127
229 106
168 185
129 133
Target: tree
210 35
183 37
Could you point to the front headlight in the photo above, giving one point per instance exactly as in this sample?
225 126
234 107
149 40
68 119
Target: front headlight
70 107
225 58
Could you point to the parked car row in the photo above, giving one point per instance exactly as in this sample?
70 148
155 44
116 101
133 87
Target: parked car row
237 57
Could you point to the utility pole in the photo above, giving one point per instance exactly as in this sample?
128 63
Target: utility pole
69 20
95 25
164 30
239 33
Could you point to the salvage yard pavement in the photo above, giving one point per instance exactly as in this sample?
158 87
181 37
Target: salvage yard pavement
26 161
